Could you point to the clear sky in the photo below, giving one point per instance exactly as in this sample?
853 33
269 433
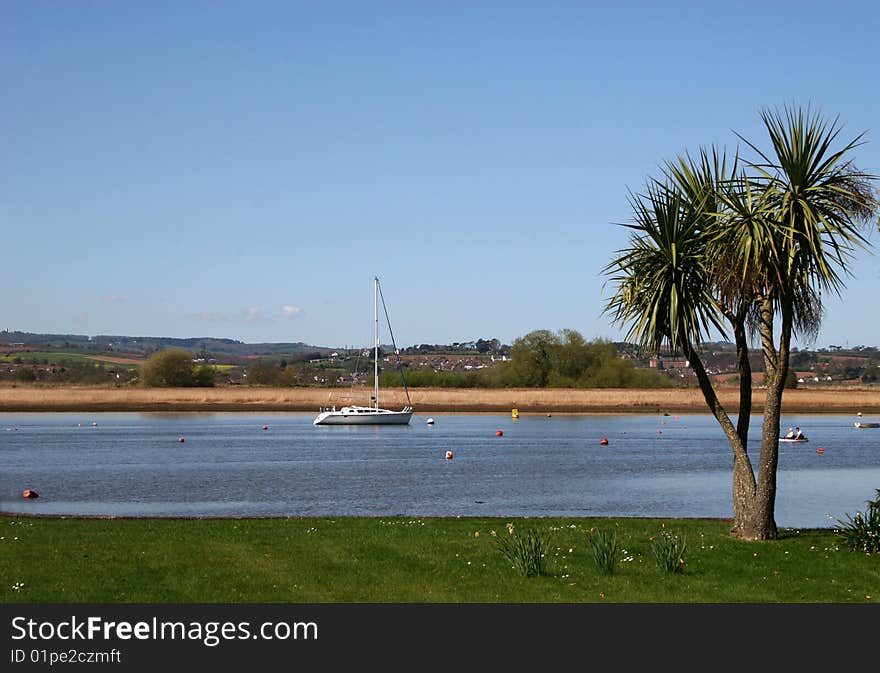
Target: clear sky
244 169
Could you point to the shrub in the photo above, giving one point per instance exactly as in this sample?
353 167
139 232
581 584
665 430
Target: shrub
526 552
861 531
604 546
264 373
203 376
668 549
171 367
25 375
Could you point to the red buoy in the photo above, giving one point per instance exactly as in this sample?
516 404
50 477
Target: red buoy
449 455
820 450
603 441
265 427
29 493
181 440
499 433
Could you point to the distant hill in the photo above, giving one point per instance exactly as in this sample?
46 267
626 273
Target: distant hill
131 344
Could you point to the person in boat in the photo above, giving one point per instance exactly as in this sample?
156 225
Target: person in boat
790 434
798 434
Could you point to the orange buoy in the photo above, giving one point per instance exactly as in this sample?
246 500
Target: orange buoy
181 440
265 427
603 441
29 493
499 433
449 455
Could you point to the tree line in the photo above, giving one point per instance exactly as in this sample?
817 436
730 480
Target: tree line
544 359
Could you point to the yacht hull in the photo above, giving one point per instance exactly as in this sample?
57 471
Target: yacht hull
363 416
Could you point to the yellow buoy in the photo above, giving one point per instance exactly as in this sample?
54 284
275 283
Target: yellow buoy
514 413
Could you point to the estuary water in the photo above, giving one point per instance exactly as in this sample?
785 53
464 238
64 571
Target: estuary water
280 464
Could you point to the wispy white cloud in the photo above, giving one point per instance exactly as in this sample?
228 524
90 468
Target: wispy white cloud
252 314
207 316
290 311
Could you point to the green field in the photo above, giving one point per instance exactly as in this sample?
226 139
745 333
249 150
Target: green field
60 358
412 560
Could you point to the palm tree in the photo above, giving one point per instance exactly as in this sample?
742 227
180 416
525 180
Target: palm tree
750 250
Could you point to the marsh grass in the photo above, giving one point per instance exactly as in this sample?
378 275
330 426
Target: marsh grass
43 397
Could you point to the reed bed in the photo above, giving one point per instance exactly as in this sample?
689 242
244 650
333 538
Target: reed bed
527 400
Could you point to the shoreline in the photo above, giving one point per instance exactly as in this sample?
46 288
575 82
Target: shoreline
425 400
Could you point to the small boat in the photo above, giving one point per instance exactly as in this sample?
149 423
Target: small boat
373 414
794 440
860 424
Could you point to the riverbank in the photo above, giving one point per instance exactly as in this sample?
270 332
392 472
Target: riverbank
21 398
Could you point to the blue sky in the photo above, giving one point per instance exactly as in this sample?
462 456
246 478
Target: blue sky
244 169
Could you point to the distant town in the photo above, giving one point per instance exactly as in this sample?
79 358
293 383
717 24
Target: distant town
72 358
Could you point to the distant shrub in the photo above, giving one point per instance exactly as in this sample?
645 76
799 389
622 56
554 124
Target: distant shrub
25 375
174 367
264 373
204 376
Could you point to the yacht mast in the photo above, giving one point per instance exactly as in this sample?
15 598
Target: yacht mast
376 349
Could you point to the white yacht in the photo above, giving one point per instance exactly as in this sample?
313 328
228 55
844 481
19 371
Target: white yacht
373 414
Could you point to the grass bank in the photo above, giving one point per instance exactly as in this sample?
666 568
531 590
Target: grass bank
411 560
425 400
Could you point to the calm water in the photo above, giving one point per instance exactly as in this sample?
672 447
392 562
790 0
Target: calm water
666 466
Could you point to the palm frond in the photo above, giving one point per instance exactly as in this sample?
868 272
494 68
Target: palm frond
663 289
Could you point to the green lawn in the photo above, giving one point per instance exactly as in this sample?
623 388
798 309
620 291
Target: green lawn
393 559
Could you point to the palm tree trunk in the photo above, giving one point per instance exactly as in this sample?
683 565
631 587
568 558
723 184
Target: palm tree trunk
743 476
759 516
744 487
744 367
